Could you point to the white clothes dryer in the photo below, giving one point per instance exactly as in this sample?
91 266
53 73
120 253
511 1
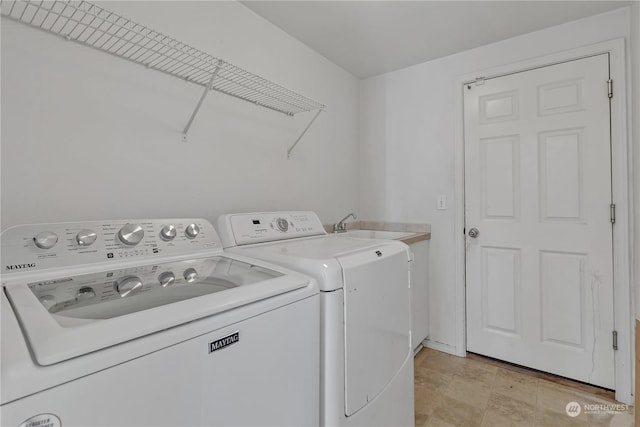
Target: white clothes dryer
149 323
366 355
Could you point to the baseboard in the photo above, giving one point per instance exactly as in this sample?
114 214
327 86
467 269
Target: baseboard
446 348
417 349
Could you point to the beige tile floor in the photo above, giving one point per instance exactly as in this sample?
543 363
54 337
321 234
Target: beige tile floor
476 391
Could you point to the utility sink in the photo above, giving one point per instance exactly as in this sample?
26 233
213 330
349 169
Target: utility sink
376 234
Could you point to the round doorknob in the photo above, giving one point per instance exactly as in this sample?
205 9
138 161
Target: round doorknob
474 233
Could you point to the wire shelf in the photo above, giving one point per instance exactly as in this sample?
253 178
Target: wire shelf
93 26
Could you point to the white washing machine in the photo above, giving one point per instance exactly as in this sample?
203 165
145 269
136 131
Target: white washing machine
148 322
366 354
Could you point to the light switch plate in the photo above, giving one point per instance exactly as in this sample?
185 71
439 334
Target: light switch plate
442 202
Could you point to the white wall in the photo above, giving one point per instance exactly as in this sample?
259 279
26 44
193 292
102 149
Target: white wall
408 125
86 135
635 123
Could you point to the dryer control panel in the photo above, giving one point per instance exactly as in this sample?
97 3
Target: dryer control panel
248 228
43 246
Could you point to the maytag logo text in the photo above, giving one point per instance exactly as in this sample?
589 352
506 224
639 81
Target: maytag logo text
221 343
20 266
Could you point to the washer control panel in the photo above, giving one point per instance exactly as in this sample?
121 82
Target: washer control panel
248 228
157 284
42 246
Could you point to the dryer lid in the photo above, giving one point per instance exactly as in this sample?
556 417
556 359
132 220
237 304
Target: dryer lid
321 247
66 317
318 256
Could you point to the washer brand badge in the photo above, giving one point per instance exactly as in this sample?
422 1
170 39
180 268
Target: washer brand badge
42 420
221 343
20 266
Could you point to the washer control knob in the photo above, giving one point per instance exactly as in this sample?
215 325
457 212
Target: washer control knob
192 231
168 233
166 279
46 240
86 237
190 274
48 301
85 293
283 224
131 234
128 285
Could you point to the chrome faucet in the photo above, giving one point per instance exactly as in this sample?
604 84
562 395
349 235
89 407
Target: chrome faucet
340 226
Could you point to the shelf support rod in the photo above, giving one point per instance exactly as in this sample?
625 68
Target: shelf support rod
303 132
204 95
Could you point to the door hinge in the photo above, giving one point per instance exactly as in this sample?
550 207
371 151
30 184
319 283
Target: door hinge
612 206
610 88
615 340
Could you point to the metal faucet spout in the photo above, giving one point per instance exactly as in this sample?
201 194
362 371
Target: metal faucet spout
340 226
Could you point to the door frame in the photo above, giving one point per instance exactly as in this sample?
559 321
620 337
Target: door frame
620 178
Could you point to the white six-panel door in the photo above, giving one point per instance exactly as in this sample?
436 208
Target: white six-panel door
539 270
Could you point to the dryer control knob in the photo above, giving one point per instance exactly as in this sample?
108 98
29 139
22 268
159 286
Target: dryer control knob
86 237
190 274
283 224
167 278
192 231
128 285
131 234
46 240
168 233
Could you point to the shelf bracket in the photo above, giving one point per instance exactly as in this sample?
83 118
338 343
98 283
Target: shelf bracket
303 132
207 89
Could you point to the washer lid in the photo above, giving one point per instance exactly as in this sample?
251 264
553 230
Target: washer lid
66 317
